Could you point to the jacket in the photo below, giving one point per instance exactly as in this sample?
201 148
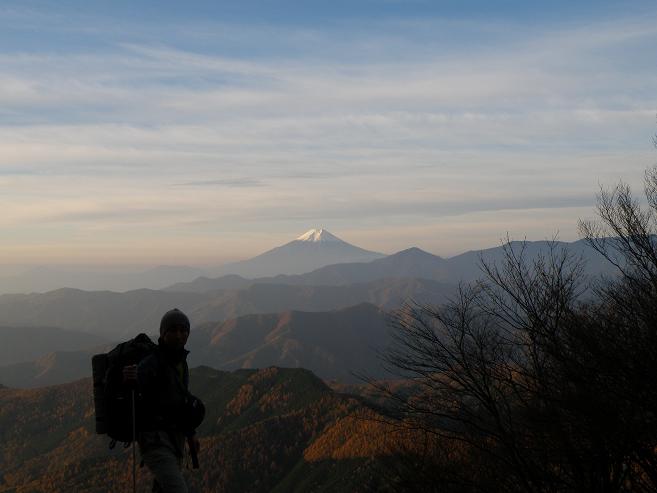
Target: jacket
163 381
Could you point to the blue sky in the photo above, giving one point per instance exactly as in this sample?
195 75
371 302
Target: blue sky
202 132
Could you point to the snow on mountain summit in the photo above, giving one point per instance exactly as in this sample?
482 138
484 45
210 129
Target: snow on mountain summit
314 249
317 235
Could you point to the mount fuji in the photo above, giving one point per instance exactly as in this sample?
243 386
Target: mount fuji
314 249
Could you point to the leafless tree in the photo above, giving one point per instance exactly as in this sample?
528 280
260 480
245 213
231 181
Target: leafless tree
535 380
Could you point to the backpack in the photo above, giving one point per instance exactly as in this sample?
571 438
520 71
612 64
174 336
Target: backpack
116 401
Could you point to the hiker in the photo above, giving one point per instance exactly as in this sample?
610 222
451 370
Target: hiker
169 414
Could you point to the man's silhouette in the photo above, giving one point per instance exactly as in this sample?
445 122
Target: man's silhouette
165 404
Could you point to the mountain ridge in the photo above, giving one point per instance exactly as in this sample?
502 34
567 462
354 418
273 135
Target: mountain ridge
272 429
119 315
413 262
313 249
333 344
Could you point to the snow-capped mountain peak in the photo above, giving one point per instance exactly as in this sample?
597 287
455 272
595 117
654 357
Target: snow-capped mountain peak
313 249
318 235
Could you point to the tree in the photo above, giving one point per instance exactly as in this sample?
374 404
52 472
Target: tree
537 378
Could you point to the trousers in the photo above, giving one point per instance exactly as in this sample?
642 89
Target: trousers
161 451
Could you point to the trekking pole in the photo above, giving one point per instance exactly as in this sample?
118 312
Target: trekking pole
134 438
193 452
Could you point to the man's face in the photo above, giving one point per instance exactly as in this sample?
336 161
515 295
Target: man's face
176 337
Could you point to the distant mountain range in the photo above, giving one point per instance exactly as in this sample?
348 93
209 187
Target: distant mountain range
312 250
315 258
263 313
333 344
23 344
54 368
270 430
42 279
104 313
116 316
409 263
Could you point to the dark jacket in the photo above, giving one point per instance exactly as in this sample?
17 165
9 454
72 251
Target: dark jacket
163 380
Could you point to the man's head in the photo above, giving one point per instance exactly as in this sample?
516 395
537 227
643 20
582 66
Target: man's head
174 329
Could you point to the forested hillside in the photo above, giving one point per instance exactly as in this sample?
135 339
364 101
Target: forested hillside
265 430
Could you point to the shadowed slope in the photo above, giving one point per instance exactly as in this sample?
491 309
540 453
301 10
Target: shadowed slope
331 344
20 344
117 316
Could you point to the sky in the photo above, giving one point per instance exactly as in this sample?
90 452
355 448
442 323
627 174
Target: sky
197 133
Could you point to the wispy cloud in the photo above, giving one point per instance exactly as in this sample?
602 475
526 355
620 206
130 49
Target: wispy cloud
235 182
159 131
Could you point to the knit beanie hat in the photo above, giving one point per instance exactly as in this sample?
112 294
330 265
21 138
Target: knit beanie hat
173 318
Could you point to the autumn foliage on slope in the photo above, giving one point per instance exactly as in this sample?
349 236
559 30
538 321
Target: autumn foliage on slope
266 430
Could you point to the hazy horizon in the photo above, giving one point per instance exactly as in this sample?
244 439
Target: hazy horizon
107 267
200 134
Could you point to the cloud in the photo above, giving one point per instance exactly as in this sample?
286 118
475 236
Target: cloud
149 134
116 215
234 182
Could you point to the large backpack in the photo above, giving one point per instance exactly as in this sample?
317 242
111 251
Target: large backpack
116 402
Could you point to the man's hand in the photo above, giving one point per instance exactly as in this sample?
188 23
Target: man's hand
130 374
